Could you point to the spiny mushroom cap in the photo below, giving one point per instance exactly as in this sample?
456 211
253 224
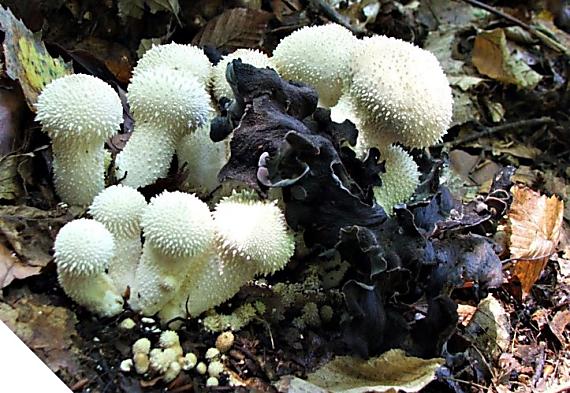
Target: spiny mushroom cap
83 247
400 180
187 58
220 85
318 56
119 208
161 360
178 224
400 89
253 230
142 345
79 108
168 97
169 338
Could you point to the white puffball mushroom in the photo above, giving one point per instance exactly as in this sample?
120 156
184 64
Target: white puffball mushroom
127 324
79 112
318 56
201 368
172 372
176 227
220 86
400 179
212 381
163 96
178 224
166 105
212 353
261 238
186 58
189 361
126 365
141 362
260 244
202 159
400 91
142 345
83 249
120 209
215 368
170 339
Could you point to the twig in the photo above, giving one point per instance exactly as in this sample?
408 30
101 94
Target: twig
552 44
539 370
488 131
333 16
469 383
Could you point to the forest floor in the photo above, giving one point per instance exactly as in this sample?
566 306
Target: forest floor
501 323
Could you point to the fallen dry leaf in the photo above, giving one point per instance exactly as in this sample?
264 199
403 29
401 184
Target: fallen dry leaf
235 28
465 313
28 233
12 268
489 329
558 326
491 57
47 330
535 223
392 371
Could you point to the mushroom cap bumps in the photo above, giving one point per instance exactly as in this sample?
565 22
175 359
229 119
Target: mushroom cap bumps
166 104
168 97
400 91
186 58
78 108
177 227
220 86
79 112
318 56
120 209
83 249
178 224
400 180
253 231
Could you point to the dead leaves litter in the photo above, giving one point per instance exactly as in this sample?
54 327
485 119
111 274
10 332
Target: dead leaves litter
535 223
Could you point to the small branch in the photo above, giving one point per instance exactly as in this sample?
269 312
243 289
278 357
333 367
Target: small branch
331 14
488 131
548 41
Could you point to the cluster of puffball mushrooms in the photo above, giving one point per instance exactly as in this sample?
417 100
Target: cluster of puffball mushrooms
194 258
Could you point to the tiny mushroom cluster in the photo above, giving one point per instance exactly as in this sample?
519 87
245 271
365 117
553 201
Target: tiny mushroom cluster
168 359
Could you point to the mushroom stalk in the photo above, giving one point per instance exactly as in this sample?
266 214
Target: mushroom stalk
79 112
79 173
120 208
83 249
158 145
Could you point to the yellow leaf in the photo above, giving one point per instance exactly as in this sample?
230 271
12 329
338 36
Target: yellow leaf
27 59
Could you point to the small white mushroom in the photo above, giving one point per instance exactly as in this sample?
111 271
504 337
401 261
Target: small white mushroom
120 208
166 105
201 368
318 56
177 227
83 249
79 112
400 93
